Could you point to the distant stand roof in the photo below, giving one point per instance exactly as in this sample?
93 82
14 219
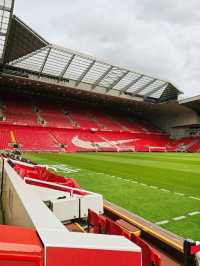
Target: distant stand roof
192 102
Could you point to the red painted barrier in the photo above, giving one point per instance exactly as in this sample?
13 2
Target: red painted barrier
91 257
20 247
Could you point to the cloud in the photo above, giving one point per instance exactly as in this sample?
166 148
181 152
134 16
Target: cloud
160 38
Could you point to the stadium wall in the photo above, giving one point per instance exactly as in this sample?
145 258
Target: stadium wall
173 116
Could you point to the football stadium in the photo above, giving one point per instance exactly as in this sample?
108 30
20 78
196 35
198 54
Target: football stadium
99 163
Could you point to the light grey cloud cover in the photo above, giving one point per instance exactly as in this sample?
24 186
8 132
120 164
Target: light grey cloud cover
157 37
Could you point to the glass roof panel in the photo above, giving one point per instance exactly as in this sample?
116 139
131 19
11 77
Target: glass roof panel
33 62
77 67
127 80
140 84
97 70
56 62
6 3
157 94
154 85
113 75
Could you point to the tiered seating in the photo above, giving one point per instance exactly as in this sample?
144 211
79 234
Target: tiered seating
65 138
148 127
72 127
18 112
187 144
74 140
195 147
132 125
5 140
35 139
121 141
135 125
191 144
81 117
106 122
54 116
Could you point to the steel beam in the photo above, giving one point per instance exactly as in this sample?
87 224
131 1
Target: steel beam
102 77
131 84
66 67
44 62
85 72
143 87
117 81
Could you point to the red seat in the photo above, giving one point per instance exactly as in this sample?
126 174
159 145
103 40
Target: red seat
113 228
41 173
98 222
149 257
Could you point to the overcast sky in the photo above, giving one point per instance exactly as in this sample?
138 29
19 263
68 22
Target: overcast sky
157 37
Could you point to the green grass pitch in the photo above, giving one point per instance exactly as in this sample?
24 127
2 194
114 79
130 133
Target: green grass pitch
161 187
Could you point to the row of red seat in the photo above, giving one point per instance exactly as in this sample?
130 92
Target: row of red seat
42 174
24 111
74 140
101 224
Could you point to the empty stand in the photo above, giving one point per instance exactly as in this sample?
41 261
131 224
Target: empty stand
41 125
5 139
35 139
54 116
18 111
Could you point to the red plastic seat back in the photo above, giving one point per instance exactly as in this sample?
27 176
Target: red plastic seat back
147 252
113 228
93 220
156 259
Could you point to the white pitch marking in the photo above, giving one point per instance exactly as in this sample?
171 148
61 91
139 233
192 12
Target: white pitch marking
142 184
179 218
135 182
193 213
179 194
191 197
154 187
146 185
165 190
162 222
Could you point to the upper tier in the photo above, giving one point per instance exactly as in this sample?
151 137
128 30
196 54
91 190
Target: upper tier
26 112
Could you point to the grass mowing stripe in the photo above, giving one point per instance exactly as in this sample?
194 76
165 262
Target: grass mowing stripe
150 156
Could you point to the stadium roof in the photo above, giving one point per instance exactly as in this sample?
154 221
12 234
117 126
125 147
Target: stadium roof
26 50
22 40
192 102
